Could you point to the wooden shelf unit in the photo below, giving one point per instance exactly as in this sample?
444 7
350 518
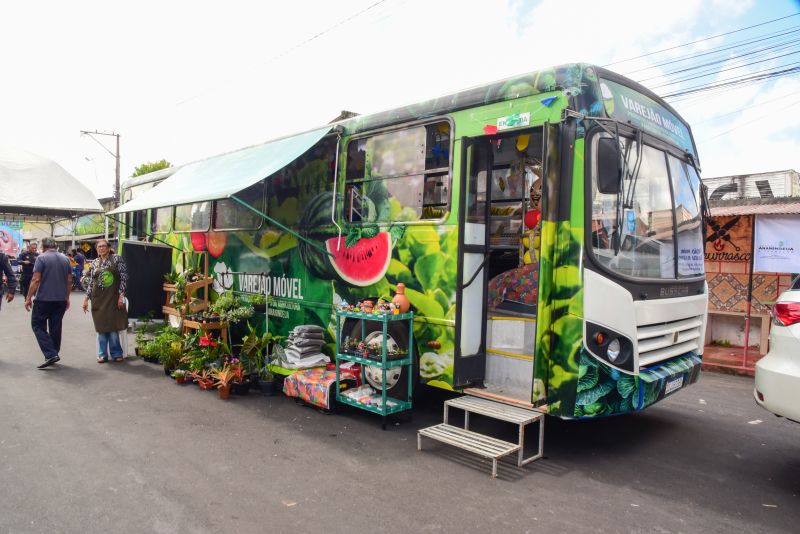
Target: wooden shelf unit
195 304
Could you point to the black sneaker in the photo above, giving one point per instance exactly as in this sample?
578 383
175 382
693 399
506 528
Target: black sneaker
48 362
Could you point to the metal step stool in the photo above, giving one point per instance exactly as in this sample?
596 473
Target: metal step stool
481 444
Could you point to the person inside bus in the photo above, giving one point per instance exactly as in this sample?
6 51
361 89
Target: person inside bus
520 286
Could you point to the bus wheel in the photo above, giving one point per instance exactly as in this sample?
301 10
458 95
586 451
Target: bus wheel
396 377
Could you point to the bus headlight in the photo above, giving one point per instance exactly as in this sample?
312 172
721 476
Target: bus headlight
609 346
613 350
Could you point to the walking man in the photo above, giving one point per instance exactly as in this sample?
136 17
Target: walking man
5 269
26 259
51 285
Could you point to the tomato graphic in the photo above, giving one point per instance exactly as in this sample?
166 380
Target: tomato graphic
198 241
216 242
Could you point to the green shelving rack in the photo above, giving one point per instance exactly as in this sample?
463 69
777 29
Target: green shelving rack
398 405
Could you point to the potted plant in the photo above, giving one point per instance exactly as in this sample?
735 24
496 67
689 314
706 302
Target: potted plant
223 378
179 375
259 302
171 354
161 348
240 385
233 311
254 350
203 379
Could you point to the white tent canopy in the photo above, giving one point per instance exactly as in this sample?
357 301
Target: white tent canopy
34 185
225 175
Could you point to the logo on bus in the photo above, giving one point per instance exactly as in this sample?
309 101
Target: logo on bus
514 121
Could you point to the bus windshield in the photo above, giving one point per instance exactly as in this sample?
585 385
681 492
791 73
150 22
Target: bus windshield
633 234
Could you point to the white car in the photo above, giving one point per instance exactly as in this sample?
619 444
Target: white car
777 386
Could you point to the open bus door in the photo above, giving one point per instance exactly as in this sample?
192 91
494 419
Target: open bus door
473 253
496 340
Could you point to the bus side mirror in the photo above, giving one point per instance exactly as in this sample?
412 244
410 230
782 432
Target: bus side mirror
609 170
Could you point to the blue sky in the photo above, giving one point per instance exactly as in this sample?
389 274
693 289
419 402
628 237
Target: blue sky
186 80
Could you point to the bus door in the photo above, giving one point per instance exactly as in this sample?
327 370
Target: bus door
470 348
498 282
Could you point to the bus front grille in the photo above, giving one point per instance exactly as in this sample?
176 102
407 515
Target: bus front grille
661 341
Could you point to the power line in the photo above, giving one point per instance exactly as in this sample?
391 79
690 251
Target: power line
764 116
704 39
739 81
758 52
328 29
715 117
717 50
717 71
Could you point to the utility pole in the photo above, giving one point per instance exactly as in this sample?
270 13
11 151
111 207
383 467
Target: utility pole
115 155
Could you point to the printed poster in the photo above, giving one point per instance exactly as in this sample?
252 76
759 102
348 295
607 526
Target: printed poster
777 245
11 237
728 238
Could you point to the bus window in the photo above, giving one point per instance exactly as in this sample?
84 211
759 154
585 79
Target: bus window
645 238
231 215
137 224
437 146
161 220
192 217
356 158
691 248
405 175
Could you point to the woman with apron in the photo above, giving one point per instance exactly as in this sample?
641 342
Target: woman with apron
105 284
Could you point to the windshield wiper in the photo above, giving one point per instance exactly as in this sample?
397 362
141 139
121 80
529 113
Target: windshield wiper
618 215
635 174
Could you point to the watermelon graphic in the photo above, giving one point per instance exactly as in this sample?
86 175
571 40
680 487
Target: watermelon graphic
316 226
364 263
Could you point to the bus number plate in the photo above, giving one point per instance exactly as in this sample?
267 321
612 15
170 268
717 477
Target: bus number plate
673 384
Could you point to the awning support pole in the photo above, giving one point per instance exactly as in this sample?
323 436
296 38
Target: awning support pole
282 227
336 192
749 290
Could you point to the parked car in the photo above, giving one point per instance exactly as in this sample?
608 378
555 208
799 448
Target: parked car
777 384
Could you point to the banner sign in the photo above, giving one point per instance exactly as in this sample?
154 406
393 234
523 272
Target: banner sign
626 105
11 237
728 238
777 245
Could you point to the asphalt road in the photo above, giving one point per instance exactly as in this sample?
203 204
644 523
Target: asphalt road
120 448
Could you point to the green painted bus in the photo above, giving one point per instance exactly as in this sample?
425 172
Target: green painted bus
547 229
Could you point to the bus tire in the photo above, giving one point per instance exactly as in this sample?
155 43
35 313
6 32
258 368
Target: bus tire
396 377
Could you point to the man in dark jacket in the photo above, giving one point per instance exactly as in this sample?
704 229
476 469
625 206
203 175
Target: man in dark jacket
11 277
26 259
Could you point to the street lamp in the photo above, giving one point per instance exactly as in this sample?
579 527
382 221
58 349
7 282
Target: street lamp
115 155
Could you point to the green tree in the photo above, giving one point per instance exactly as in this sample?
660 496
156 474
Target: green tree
150 166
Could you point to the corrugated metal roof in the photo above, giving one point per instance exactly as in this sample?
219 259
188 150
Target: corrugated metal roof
756 208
